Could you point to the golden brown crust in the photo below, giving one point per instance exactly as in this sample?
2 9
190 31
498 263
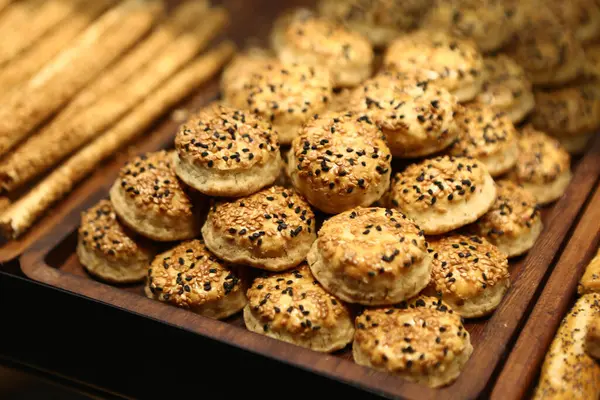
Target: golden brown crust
580 16
242 68
590 281
339 161
416 116
592 339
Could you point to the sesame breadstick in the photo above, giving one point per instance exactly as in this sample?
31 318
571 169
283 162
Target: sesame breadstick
26 64
27 162
73 68
18 218
590 281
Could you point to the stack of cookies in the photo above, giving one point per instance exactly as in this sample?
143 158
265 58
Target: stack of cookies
336 203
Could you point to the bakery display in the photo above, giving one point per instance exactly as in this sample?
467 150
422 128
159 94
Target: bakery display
453 63
421 340
514 222
290 307
371 256
488 136
444 193
227 152
191 277
340 161
149 198
272 229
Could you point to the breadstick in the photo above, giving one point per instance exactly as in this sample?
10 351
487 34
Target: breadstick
568 372
15 16
48 15
33 59
4 4
22 214
590 281
592 339
27 161
60 80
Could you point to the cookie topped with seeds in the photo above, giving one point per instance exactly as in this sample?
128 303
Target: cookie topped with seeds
580 16
444 193
110 251
243 67
514 222
371 256
321 42
222 151
191 277
421 340
272 229
293 307
149 198
285 96
454 64
416 116
469 273
340 161
487 135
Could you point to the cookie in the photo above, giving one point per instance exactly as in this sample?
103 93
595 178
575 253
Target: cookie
422 340
272 229
580 16
452 63
506 88
242 68
109 251
371 256
294 308
150 199
488 136
444 193
340 161
223 151
191 277
416 116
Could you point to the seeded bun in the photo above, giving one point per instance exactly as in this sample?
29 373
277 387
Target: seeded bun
489 23
371 256
150 199
340 161
506 88
514 223
323 43
272 229
543 167
444 193
380 21
488 136
109 251
421 340
223 151
454 64
191 277
294 308
286 96
242 68
580 16
469 273
417 117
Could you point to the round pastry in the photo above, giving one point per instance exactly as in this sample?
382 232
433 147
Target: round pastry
380 21
444 193
514 223
340 161
422 340
191 277
489 23
506 88
227 152
371 256
488 136
454 64
547 51
581 16
294 308
469 274
543 166
272 229
242 68
109 251
576 144
285 96
150 199
416 117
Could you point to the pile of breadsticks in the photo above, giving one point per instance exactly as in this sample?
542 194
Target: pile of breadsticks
83 80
